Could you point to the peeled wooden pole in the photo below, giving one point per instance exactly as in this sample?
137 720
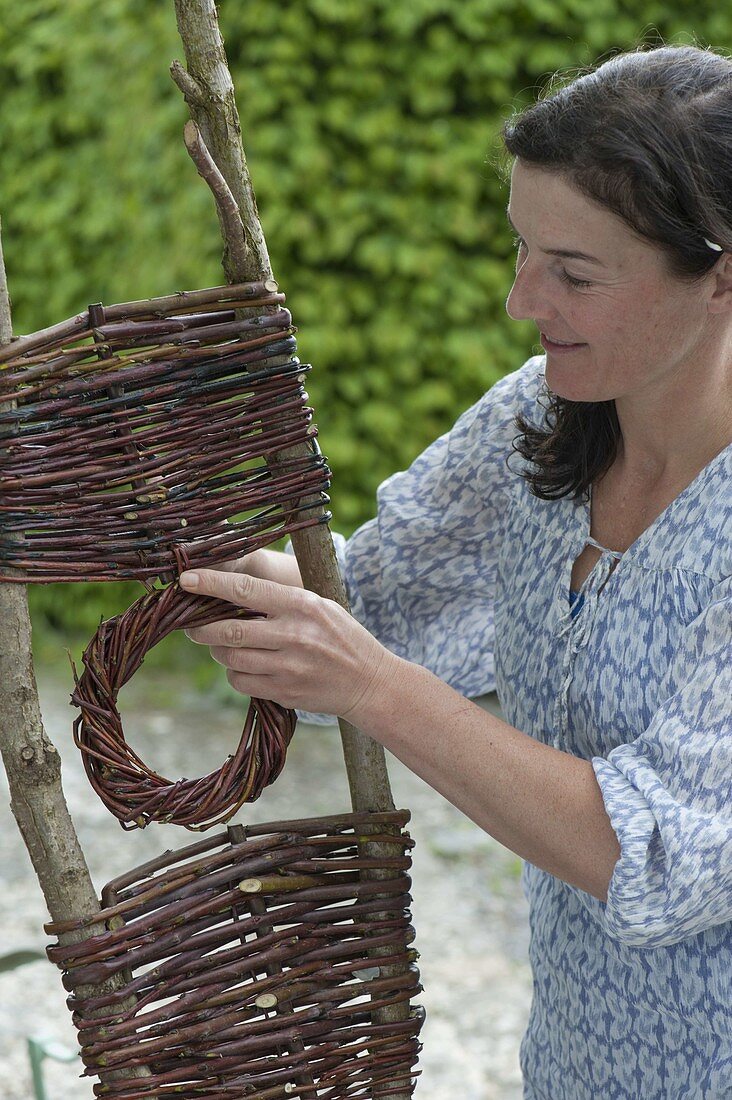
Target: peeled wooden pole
32 763
209 92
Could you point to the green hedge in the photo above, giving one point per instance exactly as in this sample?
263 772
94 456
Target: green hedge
370 128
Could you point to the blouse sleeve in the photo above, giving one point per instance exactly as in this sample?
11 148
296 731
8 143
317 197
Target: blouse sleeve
669 797
421 575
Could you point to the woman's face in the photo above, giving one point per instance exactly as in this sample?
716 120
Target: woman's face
613 322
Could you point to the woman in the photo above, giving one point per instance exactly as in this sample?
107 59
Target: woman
591 561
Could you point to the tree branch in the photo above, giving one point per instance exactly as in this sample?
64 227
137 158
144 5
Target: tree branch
192 91
228 211
32 762
218 120
213 109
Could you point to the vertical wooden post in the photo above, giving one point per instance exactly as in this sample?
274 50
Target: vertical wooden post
32 763
209 92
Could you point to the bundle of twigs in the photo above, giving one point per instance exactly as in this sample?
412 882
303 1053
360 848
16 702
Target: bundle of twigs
257 960
141 432
130 790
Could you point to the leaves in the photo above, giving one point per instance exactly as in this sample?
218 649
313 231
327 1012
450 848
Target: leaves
371 134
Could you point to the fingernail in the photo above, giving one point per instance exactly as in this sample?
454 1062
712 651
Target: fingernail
189 580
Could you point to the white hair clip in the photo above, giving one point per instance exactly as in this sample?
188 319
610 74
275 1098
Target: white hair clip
713 246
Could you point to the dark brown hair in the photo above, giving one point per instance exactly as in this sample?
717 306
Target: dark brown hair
648 135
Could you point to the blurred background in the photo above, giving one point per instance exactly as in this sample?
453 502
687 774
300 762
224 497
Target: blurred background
371 129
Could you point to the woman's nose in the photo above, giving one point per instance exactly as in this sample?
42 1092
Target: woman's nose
527 300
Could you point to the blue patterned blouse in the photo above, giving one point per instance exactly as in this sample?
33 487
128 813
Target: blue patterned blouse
467 573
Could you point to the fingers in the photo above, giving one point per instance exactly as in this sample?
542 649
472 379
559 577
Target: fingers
301 654
252 662
257 687
243 564
255 634
241 589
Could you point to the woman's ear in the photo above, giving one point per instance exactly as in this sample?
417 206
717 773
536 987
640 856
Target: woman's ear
721 297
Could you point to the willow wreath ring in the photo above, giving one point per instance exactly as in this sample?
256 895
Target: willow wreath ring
132 791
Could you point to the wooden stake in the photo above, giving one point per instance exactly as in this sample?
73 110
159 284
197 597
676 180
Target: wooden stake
32 762
209 93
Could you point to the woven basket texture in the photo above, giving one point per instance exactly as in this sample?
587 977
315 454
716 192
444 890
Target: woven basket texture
260 963
131 790
139 439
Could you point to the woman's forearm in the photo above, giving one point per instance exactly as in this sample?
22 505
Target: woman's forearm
309 654
542 803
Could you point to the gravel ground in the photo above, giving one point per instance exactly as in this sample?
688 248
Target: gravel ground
469 911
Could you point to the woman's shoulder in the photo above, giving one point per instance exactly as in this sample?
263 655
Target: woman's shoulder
522 391
488 428
481 444
694 534
472 462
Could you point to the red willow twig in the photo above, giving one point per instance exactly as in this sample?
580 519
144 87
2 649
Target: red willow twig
250 959
134 793
140 433
233 295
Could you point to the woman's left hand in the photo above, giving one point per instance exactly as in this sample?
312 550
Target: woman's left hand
308 653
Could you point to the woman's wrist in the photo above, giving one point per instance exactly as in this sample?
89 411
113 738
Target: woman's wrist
378 706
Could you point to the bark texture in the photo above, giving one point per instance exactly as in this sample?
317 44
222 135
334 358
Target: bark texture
31 761
209 92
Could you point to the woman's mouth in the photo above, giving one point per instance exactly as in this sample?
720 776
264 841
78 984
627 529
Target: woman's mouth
559 347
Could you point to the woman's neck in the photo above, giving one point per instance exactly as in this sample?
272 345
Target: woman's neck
669 434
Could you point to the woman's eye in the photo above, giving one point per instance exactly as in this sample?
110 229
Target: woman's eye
570 279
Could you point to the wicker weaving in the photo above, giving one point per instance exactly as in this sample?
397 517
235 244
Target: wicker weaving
142 439
141 433
130 790
262 962
249 958
137 441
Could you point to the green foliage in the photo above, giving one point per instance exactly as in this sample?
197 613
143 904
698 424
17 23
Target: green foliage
371 133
